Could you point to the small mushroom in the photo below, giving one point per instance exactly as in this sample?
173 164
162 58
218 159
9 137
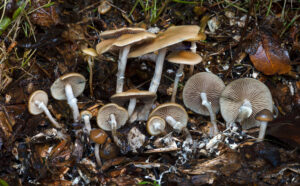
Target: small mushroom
86 117
109 151
91 54
201 94
242 99
99 137
68 87
37 104
112 117
156 125
123 42
132 96
264 116
182 58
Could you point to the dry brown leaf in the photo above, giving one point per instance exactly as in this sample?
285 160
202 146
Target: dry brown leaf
46 16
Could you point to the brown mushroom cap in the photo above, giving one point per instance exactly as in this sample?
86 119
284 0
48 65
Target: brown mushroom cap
105 46
171 109
150 125
40 96
128 39
122 97
264 115
111 34
109 151
90 51
171 36
77 81
200 37
205 82
86 112
184 57
104 113
236 92
98 136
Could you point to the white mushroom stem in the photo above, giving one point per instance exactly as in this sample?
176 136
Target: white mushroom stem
113 124
91 64
87 123
262 130
244 111
42 106
97 155
121 68
131 106
158 70
214 131
193 49
176 81
158 126
175 124
72 101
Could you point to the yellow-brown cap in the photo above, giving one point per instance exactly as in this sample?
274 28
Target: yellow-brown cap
40 96
264 115
112 34
184 57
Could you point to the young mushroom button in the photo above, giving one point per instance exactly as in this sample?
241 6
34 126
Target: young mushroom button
264 116
242 99
37 104
86 117
201 94
182 58
156 125
68 87
99 137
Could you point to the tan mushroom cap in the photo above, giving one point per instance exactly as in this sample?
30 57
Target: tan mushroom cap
105 46
104 113
128 39
40 96
122 97
90 51
171 109
205 82
200 37
111 34
264 115
98 136
171 36
236 92
86 112
77 81
184 57
150 125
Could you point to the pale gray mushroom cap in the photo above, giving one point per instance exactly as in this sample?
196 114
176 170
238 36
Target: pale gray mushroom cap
174 110
40 96
103 116
205 82
111 34
257 93
77 82
121 98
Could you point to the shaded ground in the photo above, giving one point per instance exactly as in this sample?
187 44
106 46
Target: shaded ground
45 40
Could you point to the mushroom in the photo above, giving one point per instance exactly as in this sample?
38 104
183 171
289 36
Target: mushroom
132 96
112 117
242 99
91 54
122 40
99 137
37 104
182 58
86 116
200 37
201 94
156 125
264 116
109 151
171 36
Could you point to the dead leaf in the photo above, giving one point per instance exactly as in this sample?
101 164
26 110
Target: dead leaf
43 15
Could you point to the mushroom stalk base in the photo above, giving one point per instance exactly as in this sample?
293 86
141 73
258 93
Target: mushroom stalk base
72 101
244 111
176 81
175 124
42 106
158 70
262 130
87 124
97 155
193 49
91 64
113 124
121 68
131 106
213 131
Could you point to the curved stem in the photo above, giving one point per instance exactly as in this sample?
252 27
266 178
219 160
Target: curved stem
176 81
87 123
262 130
175 124
42 106
131 106
214 131
72 101
244 111
193 49
113 124
121 68
91 64
97 155
158 70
